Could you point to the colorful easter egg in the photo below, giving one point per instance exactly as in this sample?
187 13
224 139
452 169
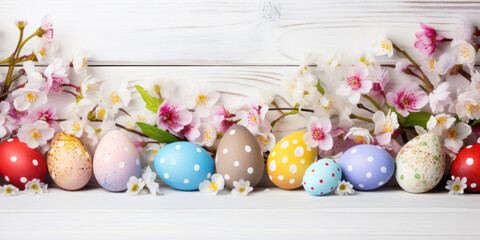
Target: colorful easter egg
288 161
322 177
20 164
239 156
467 164
69 162
420 163
366 166
184 165
116 160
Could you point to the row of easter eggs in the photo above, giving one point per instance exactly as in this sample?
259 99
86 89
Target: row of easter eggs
420 163
70 164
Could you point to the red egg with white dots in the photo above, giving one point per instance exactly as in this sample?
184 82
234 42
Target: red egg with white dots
20 164
467 164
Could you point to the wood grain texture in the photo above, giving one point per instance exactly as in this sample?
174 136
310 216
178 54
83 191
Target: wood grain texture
239 32
265 214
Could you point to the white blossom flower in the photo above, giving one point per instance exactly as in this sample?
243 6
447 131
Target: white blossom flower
35 134
25 99
440 98
135 185
201 99
4 110
266 141
383 46
385 126
44 52
437 124
456 135
8 190
212 187
91 87
116 95
151 151
130 122
208 135
35 79
35 186
148 177
359 135
464 52
74 126
82 108
242 188
456 185
344 188
468 105
79 62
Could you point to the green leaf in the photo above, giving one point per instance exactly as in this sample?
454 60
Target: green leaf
157 134
474 122
320 88
151 103
416 119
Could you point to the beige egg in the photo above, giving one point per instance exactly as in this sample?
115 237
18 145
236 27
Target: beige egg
239 156
69 162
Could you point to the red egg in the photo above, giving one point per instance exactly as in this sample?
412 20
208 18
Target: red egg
20 164
467 164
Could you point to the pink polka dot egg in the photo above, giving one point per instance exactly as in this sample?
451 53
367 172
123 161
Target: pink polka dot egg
322 177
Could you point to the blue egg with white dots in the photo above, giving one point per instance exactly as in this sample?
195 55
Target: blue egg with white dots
183 165
322 177
367 167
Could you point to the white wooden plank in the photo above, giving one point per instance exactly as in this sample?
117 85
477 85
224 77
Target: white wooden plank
240 32
96 213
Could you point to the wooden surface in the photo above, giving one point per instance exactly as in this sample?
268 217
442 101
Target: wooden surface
228 32
237 46
265 214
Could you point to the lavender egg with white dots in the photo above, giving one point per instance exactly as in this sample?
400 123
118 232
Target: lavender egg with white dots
183 165
367 167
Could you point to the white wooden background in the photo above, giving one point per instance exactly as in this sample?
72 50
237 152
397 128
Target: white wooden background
237 46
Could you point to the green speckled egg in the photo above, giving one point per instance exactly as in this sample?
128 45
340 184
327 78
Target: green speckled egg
420 163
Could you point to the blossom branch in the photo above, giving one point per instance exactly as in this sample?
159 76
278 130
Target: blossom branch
426 81
377 106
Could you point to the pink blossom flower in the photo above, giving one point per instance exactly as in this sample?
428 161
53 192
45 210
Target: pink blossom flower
222 119
47 28
318 134
379 82
173 117
356 83
44 113
409 98
254 119
56 75
191 131
427 40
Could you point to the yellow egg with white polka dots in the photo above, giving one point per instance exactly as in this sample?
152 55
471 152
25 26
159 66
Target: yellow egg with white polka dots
289 160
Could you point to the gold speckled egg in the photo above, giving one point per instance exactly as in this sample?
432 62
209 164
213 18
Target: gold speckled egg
69 162
288 161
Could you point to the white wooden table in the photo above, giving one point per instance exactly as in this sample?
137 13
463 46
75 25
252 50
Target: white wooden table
236 46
